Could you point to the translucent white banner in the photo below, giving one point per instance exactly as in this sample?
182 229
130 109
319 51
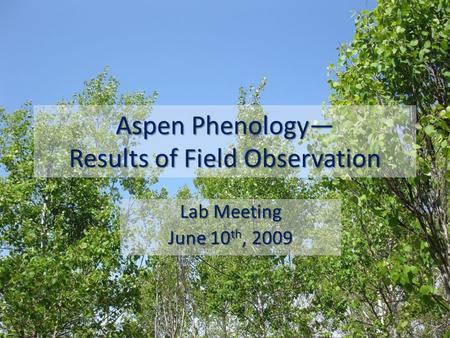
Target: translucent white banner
224 141
230 227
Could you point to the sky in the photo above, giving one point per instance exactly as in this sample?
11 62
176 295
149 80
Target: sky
191 52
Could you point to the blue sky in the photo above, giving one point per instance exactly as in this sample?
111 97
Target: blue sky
192 52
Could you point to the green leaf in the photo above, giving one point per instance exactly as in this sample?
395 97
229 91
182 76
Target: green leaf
429 130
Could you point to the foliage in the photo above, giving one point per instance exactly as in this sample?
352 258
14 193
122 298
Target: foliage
62 274
61 271
399 55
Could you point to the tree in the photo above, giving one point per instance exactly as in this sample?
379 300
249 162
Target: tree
393 276
249 296
400 57
61 272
